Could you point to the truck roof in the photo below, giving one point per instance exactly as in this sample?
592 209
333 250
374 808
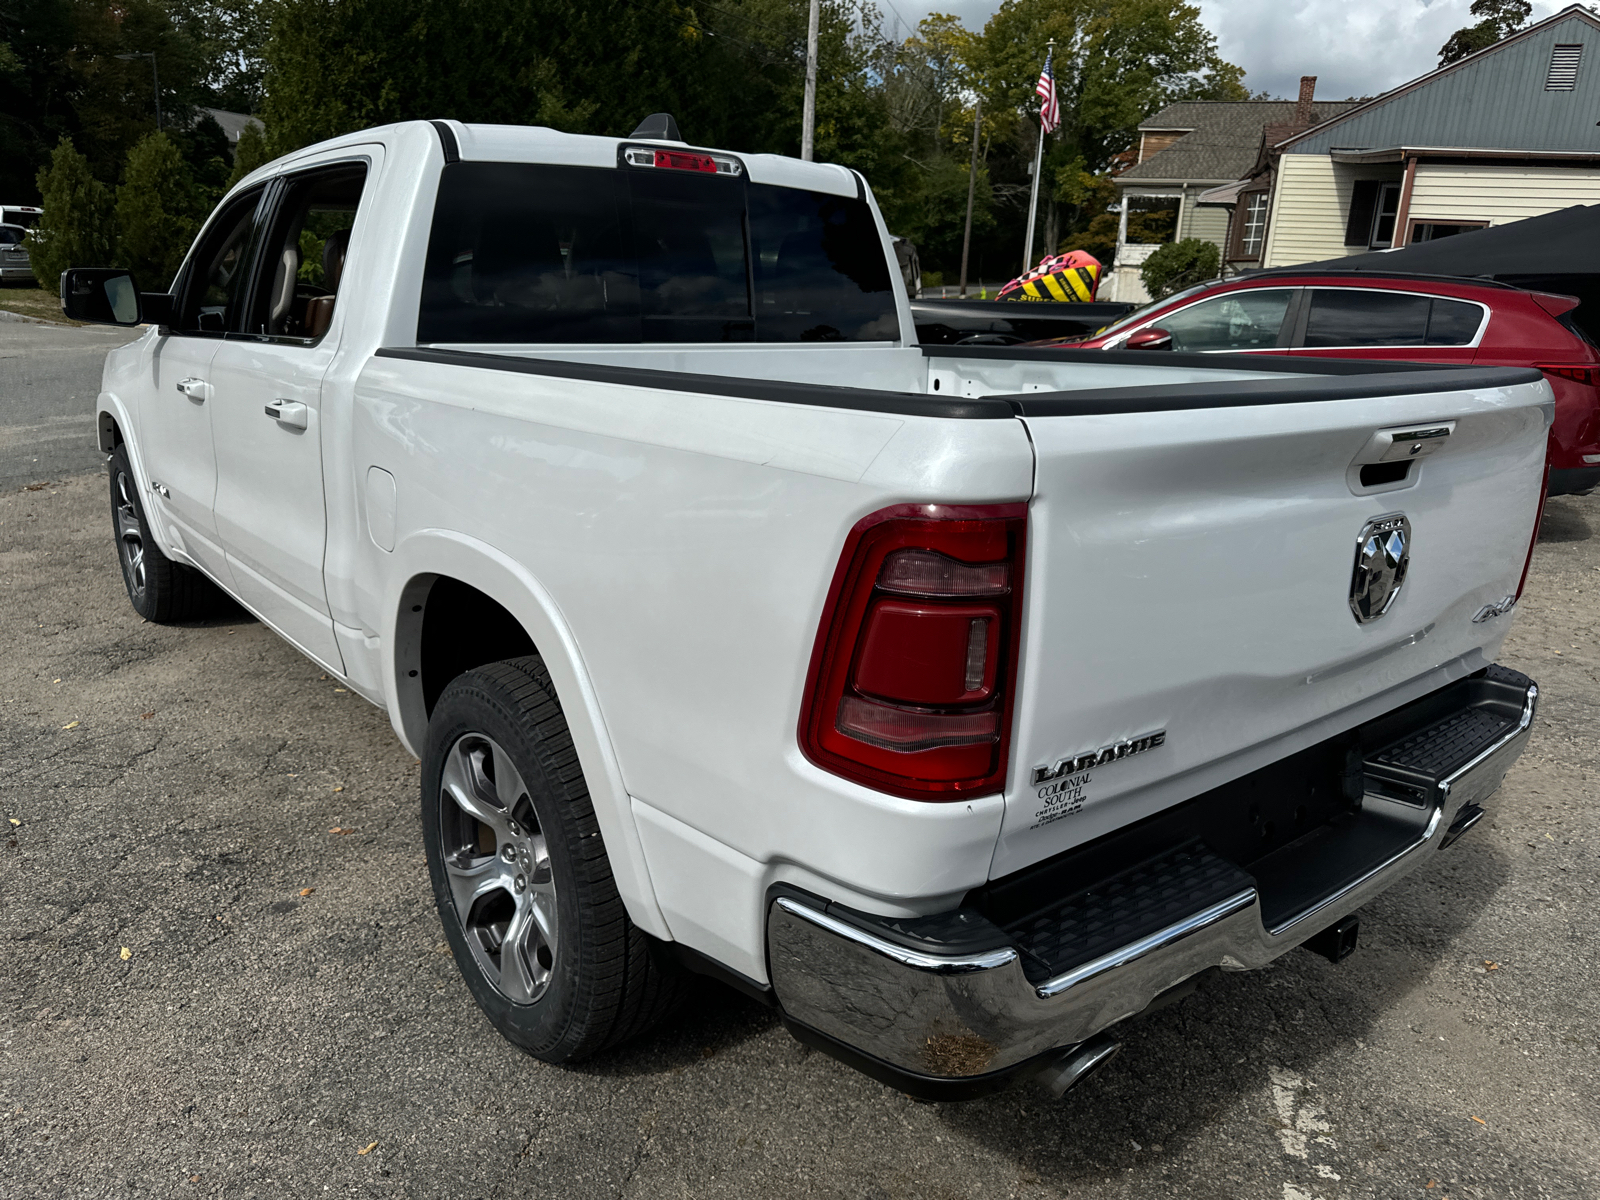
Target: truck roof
539 144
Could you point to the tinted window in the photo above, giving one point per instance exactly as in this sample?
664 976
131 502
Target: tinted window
1244 320
10 235
214 286
1360 317
1453 323
821 274
530 253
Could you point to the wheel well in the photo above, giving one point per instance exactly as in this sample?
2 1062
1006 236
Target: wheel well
110 435
462 628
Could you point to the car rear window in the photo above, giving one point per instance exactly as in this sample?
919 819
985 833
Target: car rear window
1368 317
524 252
10 235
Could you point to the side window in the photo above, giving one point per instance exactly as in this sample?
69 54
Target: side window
1362 317
212 293
303 255
1243 320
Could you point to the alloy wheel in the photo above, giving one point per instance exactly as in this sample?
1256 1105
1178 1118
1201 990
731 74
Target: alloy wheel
498 864
130 535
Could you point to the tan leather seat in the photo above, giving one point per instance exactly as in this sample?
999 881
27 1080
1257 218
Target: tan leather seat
319 309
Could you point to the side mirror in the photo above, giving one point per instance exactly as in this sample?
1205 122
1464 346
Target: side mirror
1152 338
106 296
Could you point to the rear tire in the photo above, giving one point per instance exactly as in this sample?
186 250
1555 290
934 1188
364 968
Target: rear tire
160 589
521 877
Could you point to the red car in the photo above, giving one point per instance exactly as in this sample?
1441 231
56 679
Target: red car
1408 318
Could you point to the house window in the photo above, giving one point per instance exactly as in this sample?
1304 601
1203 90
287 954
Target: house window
1432 231
1563 73
1253 231
1388 208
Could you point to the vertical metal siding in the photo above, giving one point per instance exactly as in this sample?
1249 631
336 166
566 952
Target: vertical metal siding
1498 102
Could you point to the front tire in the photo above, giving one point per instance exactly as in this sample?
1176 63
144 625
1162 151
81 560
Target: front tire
159 589
520 873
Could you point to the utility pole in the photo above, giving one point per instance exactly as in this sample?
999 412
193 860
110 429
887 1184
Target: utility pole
972 187
808 117
155 79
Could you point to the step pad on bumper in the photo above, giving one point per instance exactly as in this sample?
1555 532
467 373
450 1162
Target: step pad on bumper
1142 900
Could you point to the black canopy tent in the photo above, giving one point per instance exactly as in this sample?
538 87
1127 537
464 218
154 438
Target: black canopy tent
1556 252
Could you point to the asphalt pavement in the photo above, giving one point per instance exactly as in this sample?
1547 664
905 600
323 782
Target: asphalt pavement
221 973
49 378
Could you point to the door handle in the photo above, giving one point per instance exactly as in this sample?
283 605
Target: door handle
287 413
195 389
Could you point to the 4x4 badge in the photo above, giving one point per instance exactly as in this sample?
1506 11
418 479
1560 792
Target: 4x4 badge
1383 552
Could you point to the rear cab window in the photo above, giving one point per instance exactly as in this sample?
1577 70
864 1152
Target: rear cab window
535 253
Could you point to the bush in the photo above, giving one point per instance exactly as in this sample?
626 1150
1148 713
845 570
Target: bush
157 207
75 230
1178 265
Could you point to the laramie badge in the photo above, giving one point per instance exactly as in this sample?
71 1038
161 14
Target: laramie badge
1383 552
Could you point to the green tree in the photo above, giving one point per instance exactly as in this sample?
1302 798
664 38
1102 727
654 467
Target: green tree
75 230
1178 265
250 153
158 207
1500 19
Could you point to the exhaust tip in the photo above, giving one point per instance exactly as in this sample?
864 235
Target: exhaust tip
1078 1063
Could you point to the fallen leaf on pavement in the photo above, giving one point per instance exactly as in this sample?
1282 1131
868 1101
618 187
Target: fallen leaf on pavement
339 789
1479 1120
70 725
339 689
1429 1184
1490 965
126 954
368 1149
14 821
146 717
307 891
341 831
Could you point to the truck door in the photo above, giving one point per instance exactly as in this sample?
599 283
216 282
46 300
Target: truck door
267 411
179 458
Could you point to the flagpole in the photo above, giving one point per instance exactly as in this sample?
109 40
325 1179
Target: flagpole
1038 167
1033 204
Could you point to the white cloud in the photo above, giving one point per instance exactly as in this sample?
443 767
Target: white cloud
1354 49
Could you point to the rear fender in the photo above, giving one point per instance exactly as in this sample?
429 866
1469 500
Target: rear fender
429 553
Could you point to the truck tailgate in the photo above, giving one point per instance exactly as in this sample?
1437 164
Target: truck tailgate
1190 576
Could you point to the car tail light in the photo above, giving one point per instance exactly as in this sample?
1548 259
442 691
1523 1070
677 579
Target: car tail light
1577 372
913 674
1538 520
684 160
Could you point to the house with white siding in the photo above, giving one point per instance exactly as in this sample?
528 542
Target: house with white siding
1184 151
1506 133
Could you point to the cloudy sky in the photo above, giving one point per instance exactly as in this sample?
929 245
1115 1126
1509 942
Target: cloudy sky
1354 49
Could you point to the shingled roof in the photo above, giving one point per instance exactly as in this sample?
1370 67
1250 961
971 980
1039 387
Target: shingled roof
1224 141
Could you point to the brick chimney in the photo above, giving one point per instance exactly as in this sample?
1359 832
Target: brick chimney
1302 110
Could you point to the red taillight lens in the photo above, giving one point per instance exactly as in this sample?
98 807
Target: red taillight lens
683 160
1573 371
913 674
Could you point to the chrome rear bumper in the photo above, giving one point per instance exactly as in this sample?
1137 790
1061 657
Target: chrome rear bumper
941 1007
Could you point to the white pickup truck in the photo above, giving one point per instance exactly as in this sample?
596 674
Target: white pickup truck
959 702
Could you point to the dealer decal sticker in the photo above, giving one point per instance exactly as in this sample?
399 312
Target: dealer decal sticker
1062 786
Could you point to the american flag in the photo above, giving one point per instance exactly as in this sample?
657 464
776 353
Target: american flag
1050 110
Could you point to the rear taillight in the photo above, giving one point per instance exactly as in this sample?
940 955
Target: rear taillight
1538 520
1576 372
914 670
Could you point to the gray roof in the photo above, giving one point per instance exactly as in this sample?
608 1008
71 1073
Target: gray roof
1493 100
1226 137
233 123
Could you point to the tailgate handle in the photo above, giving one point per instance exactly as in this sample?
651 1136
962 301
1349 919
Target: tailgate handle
1417 442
